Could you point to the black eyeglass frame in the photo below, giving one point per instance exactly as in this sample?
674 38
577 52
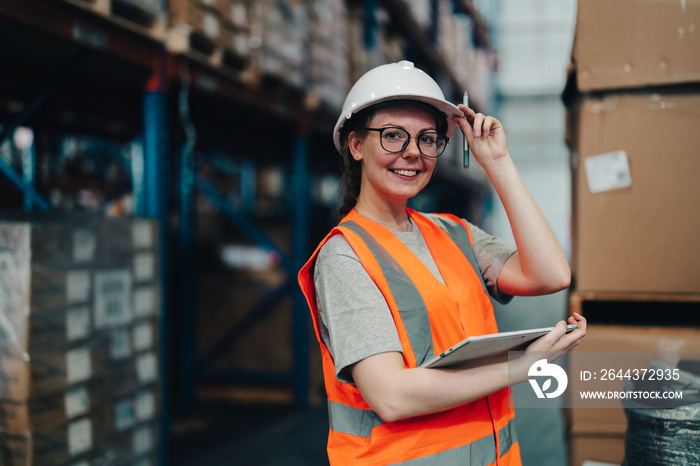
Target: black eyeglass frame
408 140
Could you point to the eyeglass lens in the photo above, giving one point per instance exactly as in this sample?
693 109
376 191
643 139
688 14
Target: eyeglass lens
430 144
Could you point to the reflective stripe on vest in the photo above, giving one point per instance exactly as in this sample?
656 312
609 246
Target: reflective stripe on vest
479 452
360 422
353 421
406 296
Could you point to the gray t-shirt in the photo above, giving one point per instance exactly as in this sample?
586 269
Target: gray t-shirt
355 320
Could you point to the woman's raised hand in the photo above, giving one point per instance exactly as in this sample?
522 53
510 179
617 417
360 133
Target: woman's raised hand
485 135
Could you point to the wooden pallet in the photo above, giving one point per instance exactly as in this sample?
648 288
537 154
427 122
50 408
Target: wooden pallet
183 40
134 15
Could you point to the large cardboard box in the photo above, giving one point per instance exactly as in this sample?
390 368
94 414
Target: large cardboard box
636 192
621 343
636 43
78 339
596 450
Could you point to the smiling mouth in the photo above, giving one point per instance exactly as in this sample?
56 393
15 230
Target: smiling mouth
404 172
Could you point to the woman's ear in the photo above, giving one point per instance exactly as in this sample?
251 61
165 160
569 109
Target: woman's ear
355 146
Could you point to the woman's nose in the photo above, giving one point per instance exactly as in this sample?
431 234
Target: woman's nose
412 149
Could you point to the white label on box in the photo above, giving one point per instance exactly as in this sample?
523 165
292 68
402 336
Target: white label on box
84 245
112 298
120 344
597 463
79 436
145 405
77 402
144 267
144 301
142 234
211 25
147 367
77 323
142 440
609 171
143 336
123 415
78 365
239 14
77 286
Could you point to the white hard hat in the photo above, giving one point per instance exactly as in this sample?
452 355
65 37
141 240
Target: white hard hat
394 81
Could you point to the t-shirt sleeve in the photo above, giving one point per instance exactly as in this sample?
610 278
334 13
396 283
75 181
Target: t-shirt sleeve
491 254
354 317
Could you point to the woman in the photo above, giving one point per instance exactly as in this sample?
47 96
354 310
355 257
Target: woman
389 287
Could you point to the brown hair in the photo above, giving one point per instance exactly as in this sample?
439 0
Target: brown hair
352 174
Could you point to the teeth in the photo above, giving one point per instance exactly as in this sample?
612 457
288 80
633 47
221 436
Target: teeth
405 172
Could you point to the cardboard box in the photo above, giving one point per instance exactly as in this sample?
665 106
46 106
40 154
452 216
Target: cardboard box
636 43
598 450
196 15
635 192
79 312
622 342
50 411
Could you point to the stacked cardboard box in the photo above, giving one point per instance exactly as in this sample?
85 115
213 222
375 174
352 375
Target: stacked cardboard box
633 132
470 65
235 32
615 346
202 17
328 52
217 31
281 29
389 46
78 352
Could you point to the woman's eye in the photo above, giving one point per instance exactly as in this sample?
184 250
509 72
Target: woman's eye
393 135
428 139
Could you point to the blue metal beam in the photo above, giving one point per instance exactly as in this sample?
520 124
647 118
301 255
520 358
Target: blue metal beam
371 25
188 283
300 323
28 190
29 173
154 189
156 167
241 220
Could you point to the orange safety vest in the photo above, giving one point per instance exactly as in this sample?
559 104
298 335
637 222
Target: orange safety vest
430 317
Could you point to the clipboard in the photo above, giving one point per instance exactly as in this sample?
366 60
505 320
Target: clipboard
486 349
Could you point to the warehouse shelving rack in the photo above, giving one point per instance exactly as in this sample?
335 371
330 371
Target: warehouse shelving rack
59 58
86 51
257 106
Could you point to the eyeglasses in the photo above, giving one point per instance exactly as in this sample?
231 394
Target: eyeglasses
393 139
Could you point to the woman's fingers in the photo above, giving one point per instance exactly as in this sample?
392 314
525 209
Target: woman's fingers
478 125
